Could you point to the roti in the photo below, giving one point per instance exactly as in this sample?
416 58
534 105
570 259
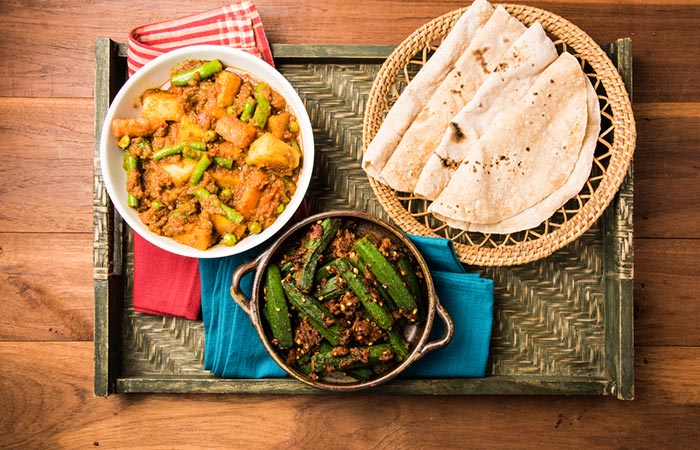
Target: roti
535 215
504 87
530 152
484 53
422 86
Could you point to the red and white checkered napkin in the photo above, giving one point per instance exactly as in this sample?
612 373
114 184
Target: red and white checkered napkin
165 283
235 25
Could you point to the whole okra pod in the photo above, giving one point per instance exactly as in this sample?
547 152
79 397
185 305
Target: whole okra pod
314 249
386 275
318 315
277 313
358 357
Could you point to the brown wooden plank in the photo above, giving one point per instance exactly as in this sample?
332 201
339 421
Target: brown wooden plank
46 172
667 168
58 64
48 389
666 301
46 286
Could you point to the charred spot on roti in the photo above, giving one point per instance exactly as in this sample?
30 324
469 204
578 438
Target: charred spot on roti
481 60
457 130
449 163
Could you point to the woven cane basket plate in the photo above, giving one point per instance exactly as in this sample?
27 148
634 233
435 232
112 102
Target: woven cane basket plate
613 153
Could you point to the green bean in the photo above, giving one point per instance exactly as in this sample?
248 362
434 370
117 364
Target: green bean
197 145
191 153
262 110
169 151
156 204
131 163
248 109
202 166
230 213
224 162
200 72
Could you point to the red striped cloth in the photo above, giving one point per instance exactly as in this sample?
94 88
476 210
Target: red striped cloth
235 25
165 283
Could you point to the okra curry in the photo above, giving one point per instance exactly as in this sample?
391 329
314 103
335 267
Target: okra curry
213 157
343 302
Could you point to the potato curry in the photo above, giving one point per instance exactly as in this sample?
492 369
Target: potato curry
213 157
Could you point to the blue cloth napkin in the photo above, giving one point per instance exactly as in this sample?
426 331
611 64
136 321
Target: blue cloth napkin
233 348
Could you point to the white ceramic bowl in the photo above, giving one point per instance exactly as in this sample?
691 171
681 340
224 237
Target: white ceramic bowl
155 74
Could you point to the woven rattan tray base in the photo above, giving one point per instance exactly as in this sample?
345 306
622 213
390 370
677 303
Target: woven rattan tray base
613 154
563 325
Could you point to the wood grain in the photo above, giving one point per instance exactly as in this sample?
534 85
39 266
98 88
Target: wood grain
60 63
56 143
46 348
46 287
77 420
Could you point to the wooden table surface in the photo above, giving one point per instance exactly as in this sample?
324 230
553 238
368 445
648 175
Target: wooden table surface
46 236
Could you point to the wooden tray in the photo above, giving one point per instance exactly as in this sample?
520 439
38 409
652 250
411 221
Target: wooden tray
562 325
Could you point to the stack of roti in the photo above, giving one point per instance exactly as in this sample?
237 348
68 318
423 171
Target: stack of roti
499 134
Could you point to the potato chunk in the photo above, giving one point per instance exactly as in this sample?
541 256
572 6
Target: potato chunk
139 126
277 124
269 151
162 105
190 130
229 83
181 171
235 131
198 235
223 226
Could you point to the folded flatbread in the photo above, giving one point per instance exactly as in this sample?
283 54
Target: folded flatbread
481 57
500 90
538 213
422 86
529 153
